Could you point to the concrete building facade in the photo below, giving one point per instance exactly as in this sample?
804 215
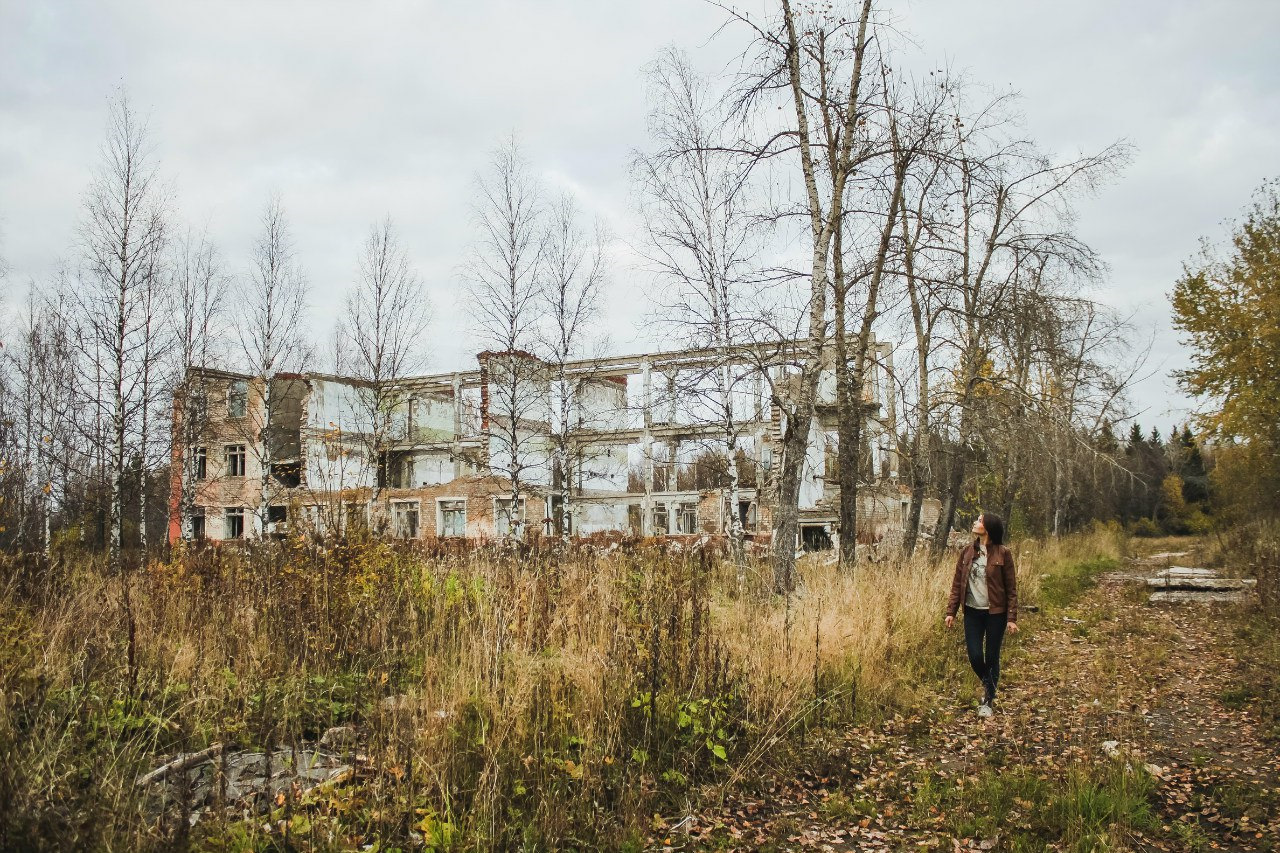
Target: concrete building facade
646 452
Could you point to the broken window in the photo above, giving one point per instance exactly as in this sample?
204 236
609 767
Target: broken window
747 515
234 522
688 519
288 474
238 398
404 519
235 460
664 476
395 470
313 518
453 517
831 458
276 518
660 526
411 419
815 537
200 462
556 522
357 517
503 523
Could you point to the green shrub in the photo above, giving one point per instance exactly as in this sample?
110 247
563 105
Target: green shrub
1145 527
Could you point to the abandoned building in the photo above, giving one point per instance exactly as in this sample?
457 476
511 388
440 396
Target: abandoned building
645 452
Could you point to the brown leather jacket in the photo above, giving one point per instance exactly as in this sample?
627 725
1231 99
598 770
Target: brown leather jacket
1002 583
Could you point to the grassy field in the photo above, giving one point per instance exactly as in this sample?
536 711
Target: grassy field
546 699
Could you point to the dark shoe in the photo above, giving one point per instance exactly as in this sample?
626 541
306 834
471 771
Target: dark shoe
989 697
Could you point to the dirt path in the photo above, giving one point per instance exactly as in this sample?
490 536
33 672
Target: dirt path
1190 768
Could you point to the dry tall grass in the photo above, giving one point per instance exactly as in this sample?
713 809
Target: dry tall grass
543 698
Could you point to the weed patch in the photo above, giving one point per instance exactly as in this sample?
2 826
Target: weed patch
1061 588
1083 808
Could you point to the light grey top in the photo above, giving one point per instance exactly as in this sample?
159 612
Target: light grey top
977 595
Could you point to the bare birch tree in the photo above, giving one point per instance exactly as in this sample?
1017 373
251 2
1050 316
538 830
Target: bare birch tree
196 312
502 279
273 299
122 237
703 240
40 398
386 316
926 301
811 61
153 390
573 273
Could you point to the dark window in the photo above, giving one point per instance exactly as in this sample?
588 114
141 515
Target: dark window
660 525
815 537
557 521
235 460
200 462
238 398
197 527
287 474
235 522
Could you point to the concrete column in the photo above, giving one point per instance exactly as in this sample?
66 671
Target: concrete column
671 398
457 426
757 394
646 405
891 411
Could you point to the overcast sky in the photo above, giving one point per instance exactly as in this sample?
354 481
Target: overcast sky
355 111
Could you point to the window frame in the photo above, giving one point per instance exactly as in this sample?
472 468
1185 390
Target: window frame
498 501
313 518
441 509
396 531
665 511
230 514
234 393
686 510
200 462
235 451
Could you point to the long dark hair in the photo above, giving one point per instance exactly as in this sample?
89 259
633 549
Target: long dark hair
994 525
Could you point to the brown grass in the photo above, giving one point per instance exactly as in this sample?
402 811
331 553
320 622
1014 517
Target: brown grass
549 697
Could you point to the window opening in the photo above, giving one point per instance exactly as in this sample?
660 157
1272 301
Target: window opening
404 519
235 522
660 526
688 521
453 518
502 521
238 398
235 460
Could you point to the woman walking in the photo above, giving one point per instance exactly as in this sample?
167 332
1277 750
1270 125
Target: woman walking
986 584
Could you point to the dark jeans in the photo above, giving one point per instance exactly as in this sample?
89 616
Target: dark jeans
979 625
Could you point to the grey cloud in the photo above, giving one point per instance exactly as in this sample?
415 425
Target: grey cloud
356 111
